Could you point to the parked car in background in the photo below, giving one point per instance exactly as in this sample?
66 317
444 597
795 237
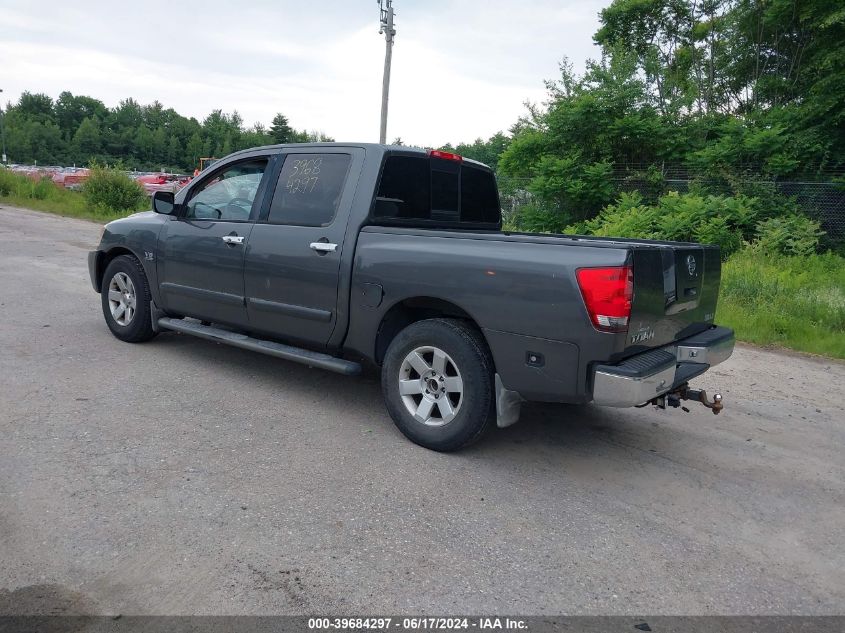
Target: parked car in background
162 182
71 177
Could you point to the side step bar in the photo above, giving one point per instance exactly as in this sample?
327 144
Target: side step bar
271 348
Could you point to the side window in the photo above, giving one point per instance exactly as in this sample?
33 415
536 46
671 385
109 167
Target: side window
229 194
405 189
309 189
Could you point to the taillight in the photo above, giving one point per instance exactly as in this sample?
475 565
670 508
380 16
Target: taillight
439 153
607 294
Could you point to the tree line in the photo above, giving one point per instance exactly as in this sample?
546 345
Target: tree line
76 129
726 90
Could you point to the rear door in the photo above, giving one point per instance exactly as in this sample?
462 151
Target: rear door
293 257
201 252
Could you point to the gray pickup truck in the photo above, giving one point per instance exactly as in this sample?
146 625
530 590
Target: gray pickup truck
335 255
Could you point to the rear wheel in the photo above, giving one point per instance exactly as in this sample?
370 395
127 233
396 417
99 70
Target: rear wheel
125 297
437 381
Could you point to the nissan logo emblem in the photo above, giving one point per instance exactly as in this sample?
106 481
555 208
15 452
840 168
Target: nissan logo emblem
691 265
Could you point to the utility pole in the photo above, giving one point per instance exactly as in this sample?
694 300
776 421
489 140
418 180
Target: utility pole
3 129
386 15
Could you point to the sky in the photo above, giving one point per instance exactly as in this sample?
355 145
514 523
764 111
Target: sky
462 69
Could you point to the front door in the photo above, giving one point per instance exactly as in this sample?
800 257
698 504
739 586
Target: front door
202 249
293 259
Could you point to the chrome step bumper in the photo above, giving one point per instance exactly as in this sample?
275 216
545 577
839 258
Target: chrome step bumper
641 378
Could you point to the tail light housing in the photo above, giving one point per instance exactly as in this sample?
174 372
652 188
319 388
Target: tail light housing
607 294
439 153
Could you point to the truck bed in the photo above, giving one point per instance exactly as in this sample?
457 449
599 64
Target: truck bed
669 301
521 289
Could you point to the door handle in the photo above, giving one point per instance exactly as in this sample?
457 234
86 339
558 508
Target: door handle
323 247
233 239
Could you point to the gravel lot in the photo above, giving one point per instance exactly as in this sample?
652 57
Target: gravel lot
181 476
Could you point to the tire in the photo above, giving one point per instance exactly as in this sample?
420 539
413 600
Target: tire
454 356
125 276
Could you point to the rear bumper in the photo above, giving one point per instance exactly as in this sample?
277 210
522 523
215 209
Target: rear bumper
638 379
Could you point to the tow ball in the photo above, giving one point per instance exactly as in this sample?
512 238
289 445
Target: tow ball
674 397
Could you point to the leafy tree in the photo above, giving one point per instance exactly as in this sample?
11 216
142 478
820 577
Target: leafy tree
128 114
36 107
255 137
486 152
86 140
280 129
226 148
33 138
174 151
70 111
194 150
154 115
159 145
144 144
731 89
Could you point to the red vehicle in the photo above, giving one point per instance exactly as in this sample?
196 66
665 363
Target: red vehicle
162 182
71 177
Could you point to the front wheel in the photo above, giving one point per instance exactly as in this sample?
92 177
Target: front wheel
437 381
126 300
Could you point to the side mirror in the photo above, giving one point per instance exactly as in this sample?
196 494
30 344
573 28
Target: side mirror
163 202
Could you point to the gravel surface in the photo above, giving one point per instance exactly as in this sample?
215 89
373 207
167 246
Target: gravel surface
182 476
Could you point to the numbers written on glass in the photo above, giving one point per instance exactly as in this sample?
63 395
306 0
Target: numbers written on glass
304 176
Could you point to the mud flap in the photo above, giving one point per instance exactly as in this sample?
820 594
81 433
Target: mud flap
508 405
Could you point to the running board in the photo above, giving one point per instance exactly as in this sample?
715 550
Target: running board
271 348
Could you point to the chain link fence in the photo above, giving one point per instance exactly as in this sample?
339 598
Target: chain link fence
822 199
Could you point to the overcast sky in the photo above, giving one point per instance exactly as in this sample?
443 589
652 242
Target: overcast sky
461 68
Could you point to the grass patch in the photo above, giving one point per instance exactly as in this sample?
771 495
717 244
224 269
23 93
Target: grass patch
796 302
44 195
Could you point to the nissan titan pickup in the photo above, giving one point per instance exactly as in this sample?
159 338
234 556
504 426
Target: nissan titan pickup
344 255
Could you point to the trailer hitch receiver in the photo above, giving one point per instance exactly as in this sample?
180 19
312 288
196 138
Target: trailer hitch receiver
674 397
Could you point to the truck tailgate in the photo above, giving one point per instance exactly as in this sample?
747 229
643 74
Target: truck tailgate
676 287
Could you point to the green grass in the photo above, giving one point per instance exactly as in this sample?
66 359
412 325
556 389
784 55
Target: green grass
43 195
794 302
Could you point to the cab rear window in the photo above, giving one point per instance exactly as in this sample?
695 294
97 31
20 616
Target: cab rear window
418 190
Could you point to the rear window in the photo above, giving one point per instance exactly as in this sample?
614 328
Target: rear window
422 190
